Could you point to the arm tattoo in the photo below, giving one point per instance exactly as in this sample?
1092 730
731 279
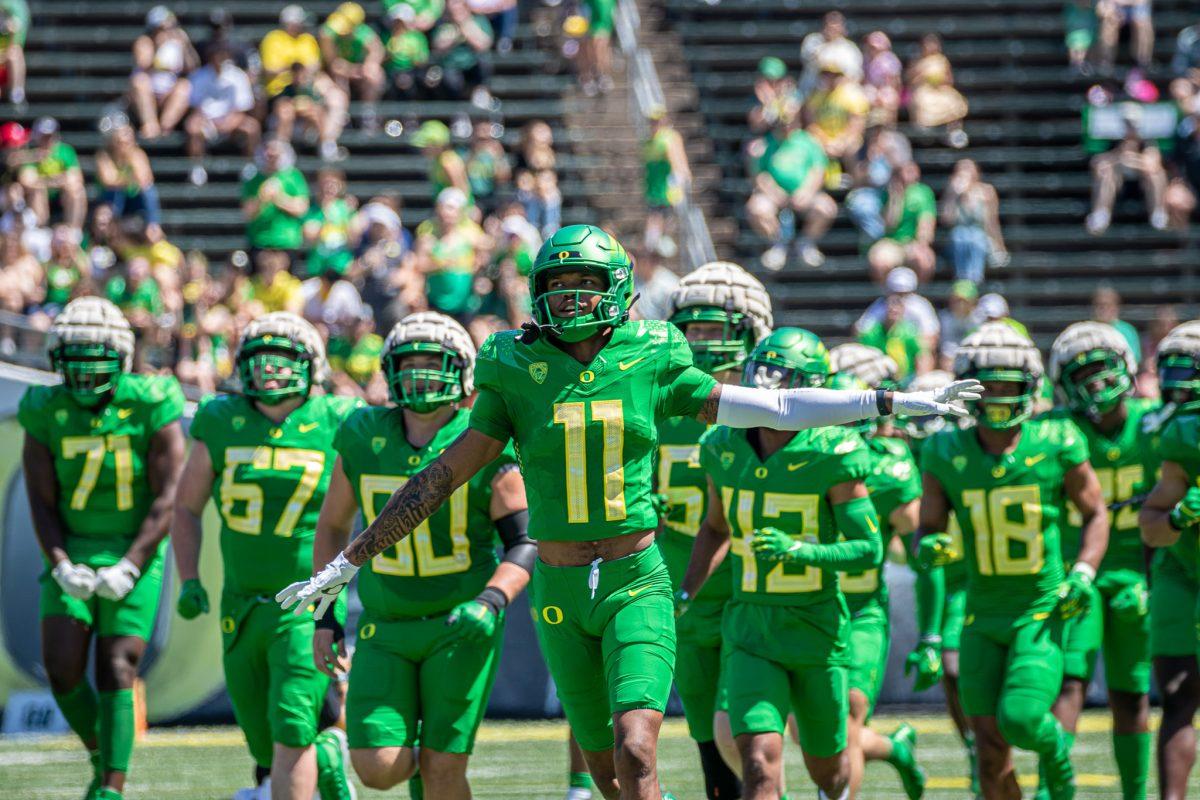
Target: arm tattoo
708 411
405 509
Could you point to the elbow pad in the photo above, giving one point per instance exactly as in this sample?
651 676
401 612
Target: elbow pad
792 409
519 549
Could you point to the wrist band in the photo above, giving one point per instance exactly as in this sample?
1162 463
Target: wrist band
881 402
1085 569
493 598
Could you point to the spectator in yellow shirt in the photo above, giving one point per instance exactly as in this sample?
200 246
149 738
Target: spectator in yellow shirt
837 114
273 286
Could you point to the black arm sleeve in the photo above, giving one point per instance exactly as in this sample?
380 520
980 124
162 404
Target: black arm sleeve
519 549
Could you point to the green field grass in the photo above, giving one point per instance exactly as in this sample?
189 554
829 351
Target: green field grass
512 760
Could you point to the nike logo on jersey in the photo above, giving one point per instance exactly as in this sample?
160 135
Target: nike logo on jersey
1031 460
306 427
871 524
796 466
124 413
623 365
636 592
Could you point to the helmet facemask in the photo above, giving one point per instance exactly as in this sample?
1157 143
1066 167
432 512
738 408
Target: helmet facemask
729 352
1095 382
609 310
277 360
90 371
1179 381
1004 412
764 372
423 389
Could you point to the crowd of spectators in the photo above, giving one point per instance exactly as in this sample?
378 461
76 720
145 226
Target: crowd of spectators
833 129
350 264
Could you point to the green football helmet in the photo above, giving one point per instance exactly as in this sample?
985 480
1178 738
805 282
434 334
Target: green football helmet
722 293
997 352
91 347
876 368
282 348
1093 366
786 359
850 382
581 247
1179 367
426 389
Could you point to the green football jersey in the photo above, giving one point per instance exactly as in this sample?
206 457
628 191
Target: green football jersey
1125 465
1180 442
893 481
586 434
100 456
449 557
788 491
1010 508
269 483
678 477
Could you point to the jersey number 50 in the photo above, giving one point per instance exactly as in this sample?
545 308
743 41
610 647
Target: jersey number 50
398 560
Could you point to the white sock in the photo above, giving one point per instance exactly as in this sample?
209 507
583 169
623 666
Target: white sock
845 795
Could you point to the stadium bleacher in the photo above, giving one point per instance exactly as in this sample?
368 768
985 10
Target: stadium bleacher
1024 124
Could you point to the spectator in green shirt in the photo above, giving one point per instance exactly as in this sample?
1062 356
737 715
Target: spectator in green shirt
446 167
426 13
51 177
353 55
900 339
459 45
275 199
328 224
1106 307
407 51
791 175
910 219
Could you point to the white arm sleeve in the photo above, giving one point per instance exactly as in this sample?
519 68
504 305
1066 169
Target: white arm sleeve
792 409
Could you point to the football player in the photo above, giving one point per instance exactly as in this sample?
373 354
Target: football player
433 605
935 657
581 391
264 456
1168 519
894 485
723 311
102 455
777 503
1092 367
1007 480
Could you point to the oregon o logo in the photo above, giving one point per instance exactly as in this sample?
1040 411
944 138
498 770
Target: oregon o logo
367 631
414 460
552 618
760 472
227 624
587 376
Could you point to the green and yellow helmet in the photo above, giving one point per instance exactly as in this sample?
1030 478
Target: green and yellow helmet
582 247
850 382
722 293
285 349
877 369
997 352
788 358
90 346
1093 366
920 428
426 389
1179 367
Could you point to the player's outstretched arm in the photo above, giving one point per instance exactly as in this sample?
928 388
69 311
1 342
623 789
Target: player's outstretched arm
405 509
195 487
797 409
710 548
164 464
1166 510
1083 489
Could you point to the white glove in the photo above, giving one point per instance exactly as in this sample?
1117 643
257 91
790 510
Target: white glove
937 401
77 580
327 583
113 583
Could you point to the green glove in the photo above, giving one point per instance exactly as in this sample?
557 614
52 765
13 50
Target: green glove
1187 511
1075 595
926 661
193 600
1132 602
476 620
773 545
936 551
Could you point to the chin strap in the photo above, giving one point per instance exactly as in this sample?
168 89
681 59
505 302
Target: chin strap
531 332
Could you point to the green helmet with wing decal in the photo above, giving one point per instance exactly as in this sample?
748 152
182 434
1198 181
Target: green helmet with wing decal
787 358
586 248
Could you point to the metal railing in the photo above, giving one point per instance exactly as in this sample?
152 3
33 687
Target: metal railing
696 245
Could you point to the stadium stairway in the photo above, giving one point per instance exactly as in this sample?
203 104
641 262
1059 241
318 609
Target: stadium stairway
79 63
1010 62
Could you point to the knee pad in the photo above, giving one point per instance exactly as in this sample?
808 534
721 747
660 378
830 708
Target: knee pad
1026 723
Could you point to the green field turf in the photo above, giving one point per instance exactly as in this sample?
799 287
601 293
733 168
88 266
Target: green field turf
512 760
